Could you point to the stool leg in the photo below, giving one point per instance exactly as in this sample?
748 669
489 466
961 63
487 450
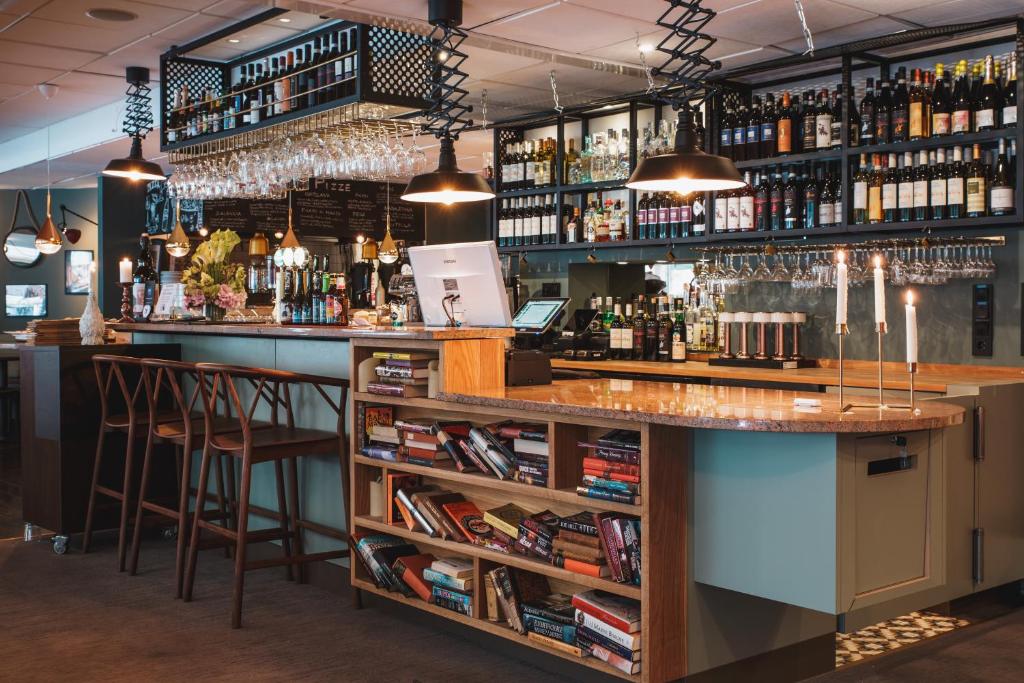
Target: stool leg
223 502
241 541
282 509
143 485
183 520
87 534
122 537
231 500
193 539
296 513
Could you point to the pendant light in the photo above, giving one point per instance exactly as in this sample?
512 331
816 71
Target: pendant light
388 250
178 244
447 184
48 239
290 252
686 168
138 121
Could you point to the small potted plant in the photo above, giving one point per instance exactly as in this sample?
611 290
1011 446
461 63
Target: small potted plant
212 283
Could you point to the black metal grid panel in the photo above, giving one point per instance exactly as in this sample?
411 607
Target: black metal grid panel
175 72
503 136
398 65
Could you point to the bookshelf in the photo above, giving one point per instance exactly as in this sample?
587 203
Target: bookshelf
662 511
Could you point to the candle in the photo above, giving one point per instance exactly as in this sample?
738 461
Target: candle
879 292
125 270
911 329
841 288
92 277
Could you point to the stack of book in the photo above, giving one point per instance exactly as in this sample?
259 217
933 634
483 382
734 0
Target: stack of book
418 443
537 534
611 469
505 521
608 628
378 437
401 373
451 584
525 602
530 452
600 544
378 553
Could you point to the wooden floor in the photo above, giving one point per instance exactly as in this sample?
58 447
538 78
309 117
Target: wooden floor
75 618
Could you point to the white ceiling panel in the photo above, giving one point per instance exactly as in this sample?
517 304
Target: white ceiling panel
150 17
145 54
22 6
886 6
6 20
474 12
19 74
10 132
96 83
554 28
46 32
44 55
195 26
32 110
237 9
776 22
939 13
190 5
7 90
483 63
879 26
571 78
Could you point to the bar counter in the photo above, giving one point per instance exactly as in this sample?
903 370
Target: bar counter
418 332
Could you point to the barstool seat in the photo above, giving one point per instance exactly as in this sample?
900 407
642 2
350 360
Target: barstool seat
312 441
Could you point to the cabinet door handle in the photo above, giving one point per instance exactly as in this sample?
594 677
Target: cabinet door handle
979 433
900 463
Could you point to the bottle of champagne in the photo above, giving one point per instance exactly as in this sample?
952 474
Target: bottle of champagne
1002 184
937 183
905 191
977 192
961 117
1010 95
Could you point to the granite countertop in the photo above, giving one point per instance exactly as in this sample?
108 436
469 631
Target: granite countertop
702 406
318 331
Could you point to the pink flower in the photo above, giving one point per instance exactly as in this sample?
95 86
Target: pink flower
194 298
229 299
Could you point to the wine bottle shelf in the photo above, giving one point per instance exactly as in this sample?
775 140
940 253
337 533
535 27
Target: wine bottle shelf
604 185
611 244
820 155
934 142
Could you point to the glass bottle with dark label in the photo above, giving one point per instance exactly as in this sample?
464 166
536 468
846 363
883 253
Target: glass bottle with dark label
810 120
867 114
1002 184
941 104
823 122
297 297
977 192
960 120
827 201
890 195
616 332
284 305
956 181
1009 118
768 124
762 204
639 331
860 192
812 189
883 113
665 328
651 329
641 217
685 215
900 107
921 187
791 203
937 184
777 202
753 134
785 126
905 191
725 134
679 333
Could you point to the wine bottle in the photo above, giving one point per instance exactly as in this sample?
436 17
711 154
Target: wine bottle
616 334
777 202
823 122
725 134
900 107
785 126
867 114
746 205
826 201
753 131
639 331
937 183
890 195
1002 185
921 187
917 124
791 203
1010 95
883 112
961 117
875 181
811 200
941 104
860 192
977 193
762 204
905 190
810 123
956 178
768 135
641 217
987 103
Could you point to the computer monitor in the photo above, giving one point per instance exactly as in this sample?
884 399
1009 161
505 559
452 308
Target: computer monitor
464 278
536 315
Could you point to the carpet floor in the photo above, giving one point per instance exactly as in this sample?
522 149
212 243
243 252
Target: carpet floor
75 618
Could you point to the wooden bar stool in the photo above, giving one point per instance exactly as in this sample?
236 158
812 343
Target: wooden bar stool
276 443
162 378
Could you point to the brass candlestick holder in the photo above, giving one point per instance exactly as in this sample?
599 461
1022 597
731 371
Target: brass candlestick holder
880 329
126 303
841 331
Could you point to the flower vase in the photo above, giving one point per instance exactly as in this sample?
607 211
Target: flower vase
213 312
91 325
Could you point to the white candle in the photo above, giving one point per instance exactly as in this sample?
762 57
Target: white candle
125 270
841 288
879 291
92 277
911 329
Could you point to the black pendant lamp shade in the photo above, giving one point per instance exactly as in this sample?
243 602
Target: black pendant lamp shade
687 168
138 121
447 185
447 117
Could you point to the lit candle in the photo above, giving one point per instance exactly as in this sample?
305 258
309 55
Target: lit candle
841 288
879 291
125 270
911 329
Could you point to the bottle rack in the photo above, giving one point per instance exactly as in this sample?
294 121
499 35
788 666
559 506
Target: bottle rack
389 69
852 57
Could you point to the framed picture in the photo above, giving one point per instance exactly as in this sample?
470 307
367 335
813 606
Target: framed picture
77 271
25 301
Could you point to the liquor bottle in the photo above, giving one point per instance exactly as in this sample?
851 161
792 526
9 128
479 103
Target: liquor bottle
889 189
144 273
746 205
900 107
699 214
503 224
791 203
917 124
666 327
639 331
942 105
960 121
573 226
307 298
725 134
777 203
937 183
732 211
867 114
809 123
685 215
617 222
768 132
641 217
662 213
827 200
956 181
297 297
988 102
341 303
284 305
651 328
330 297
823 122
883 114
785 126
875 190
678 354
1002 184
837 120
762 203
753 134
739 134
905 191
1009 117
616 330
921 187
860 192
811 199
977 193
552 220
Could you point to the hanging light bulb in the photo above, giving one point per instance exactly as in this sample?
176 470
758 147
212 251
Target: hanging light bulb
387 252
178 244
291 252
138 121
48 239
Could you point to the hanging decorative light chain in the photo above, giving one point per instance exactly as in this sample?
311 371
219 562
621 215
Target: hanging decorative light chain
447 117
554 92
686 67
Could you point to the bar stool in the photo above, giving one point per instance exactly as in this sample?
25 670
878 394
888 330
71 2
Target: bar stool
160 378
276 443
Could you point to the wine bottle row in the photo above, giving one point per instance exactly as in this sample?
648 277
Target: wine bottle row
306 76
793 197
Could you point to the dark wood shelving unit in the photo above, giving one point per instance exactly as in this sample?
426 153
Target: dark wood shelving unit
816 156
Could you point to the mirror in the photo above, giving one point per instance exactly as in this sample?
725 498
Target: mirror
20 247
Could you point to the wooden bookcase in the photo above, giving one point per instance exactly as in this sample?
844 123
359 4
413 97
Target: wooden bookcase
664 456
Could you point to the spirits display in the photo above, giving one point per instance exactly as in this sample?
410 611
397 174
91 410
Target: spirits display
782 198
526 221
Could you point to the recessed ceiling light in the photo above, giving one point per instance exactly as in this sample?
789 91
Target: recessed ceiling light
646 47
108 14
285 20
234 40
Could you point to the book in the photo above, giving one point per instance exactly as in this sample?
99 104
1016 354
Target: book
532 468
391 486
452 599
405 495
404 356
406 513
606 535
376 415
578 552
473 456
527 546
612 659
606 494
598 571
379 431
622 558
529 479
552 629
602 465
399 363
556 607
530 446
470 520
499 462
503 592
615 481
455 567
454 450
385 558
420 440
410 570
418 426
589 635
367 546
618 612
532 536
581 523
401 390
429 504
631 539
544 524
506 518
401 372
423 456
442 579
384 440
382 452
493 607
531 432
627 439
580 539
629 641
567 648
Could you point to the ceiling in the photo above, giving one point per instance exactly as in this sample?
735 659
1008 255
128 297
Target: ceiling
513 46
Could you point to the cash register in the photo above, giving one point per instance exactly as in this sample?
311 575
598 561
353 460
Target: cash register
527 363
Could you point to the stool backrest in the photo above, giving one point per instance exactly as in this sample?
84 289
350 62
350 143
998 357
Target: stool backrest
168 377
122 374
272 388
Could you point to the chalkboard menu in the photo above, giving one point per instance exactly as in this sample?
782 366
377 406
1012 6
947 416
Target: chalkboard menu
337 209
160 211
